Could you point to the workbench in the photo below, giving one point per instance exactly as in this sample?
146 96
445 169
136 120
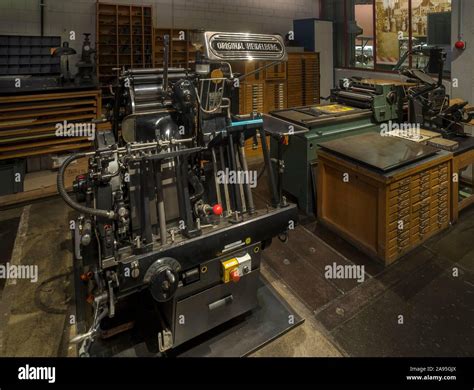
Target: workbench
384 212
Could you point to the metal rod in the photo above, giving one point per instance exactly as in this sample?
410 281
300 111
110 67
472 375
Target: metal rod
214 168
42 5
241 185
268 163
248 190
145 175
233 167
259 69
166 41
228 206
160 205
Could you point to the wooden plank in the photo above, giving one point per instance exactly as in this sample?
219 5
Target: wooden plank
46 112
55 120
19 132
35 106
42 143
47 96
21 197
51 149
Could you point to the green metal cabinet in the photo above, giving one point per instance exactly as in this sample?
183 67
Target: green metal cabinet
300 156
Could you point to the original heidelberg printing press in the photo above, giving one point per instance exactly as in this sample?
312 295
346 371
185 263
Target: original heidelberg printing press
157 228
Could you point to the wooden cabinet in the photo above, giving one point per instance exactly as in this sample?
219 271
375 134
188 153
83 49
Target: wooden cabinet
252 97
303 79
275 96
385 215
124 39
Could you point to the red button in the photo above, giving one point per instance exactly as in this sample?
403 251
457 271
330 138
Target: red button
234 275
461 45
217 209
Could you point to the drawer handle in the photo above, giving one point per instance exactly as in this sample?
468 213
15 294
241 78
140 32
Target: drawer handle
221 302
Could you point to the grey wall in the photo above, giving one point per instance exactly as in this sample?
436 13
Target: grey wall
462 66
22 17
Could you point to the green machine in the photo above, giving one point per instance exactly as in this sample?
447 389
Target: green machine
384 97
296 156
357 106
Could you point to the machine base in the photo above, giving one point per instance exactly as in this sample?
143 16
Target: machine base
272 318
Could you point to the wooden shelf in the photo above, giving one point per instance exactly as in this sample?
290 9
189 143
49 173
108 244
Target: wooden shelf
181 50
28 122
131 29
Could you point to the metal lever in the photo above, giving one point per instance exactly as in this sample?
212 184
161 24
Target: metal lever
221 302
170 276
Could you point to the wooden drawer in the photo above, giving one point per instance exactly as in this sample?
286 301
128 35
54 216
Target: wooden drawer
396 212
399 183
443 170
394 231
438 180
396 200
399 244
418 185
422 195
420 204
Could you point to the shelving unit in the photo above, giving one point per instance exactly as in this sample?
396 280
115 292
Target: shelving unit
28 55
124 39
28 123
182 52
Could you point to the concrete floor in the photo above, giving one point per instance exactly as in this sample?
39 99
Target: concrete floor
346 319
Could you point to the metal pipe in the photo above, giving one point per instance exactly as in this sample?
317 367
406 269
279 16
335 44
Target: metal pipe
153 70
248 190
166 41
228 206
259 69
233 167
214 168
268 163
241 185
160 205
42 5
460 20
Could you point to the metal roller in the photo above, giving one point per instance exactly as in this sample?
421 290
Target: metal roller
147 106
134 72
147 89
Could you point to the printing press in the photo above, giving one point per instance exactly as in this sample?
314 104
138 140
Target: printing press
357 106
159 229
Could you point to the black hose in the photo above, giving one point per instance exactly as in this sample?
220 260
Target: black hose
76 206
